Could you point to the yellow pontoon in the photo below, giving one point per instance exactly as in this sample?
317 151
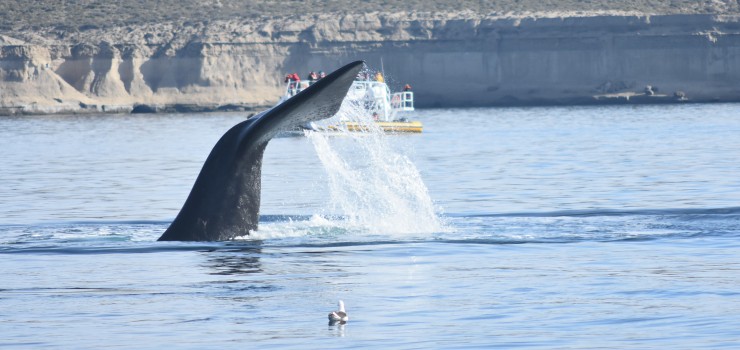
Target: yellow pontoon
389 127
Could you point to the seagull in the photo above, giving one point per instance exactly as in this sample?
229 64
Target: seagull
339 315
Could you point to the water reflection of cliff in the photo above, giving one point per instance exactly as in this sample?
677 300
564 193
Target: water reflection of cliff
235 269
234 262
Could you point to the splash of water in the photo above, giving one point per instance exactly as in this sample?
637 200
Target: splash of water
375 188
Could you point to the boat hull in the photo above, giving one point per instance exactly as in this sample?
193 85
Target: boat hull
389 127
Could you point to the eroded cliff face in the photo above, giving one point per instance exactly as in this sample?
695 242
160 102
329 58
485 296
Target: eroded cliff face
450 60
115 77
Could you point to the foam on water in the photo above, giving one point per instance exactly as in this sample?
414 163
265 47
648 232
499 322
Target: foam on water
373 187
317 226
318 230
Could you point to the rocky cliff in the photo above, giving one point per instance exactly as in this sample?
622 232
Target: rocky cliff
460 59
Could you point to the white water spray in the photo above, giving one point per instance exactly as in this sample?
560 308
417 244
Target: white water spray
374 187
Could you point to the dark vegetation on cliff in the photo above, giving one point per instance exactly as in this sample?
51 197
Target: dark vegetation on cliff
79 15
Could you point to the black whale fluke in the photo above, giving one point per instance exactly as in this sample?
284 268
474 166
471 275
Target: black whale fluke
225 199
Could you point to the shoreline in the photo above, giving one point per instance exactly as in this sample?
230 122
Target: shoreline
131 109
253 109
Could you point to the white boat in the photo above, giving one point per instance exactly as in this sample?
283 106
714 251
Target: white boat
390 111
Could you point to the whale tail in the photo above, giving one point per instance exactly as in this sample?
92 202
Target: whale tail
224 201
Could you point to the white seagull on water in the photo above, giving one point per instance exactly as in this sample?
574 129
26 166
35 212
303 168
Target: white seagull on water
339 315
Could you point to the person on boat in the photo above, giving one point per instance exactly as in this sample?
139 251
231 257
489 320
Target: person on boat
407 102
296 82
291 83
379 77
363 76
322 74
312 77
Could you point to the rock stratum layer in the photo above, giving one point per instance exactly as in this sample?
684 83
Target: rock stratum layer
450 60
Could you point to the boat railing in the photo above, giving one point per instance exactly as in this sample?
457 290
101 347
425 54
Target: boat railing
368 84
294 87
402 101
379 99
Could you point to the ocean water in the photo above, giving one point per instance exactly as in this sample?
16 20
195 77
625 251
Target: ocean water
550 228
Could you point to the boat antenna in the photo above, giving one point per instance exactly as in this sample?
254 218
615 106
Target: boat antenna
382 70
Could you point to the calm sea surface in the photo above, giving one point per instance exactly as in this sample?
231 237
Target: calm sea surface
563 228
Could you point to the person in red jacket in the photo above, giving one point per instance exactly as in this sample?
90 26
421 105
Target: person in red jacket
297 82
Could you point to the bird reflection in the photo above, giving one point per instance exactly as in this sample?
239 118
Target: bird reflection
337 328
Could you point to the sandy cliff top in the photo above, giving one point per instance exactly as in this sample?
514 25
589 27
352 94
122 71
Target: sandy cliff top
177 22
81 15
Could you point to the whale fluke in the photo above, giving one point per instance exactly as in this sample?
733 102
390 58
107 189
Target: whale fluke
225 199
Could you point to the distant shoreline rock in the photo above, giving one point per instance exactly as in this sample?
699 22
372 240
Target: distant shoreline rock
34 109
